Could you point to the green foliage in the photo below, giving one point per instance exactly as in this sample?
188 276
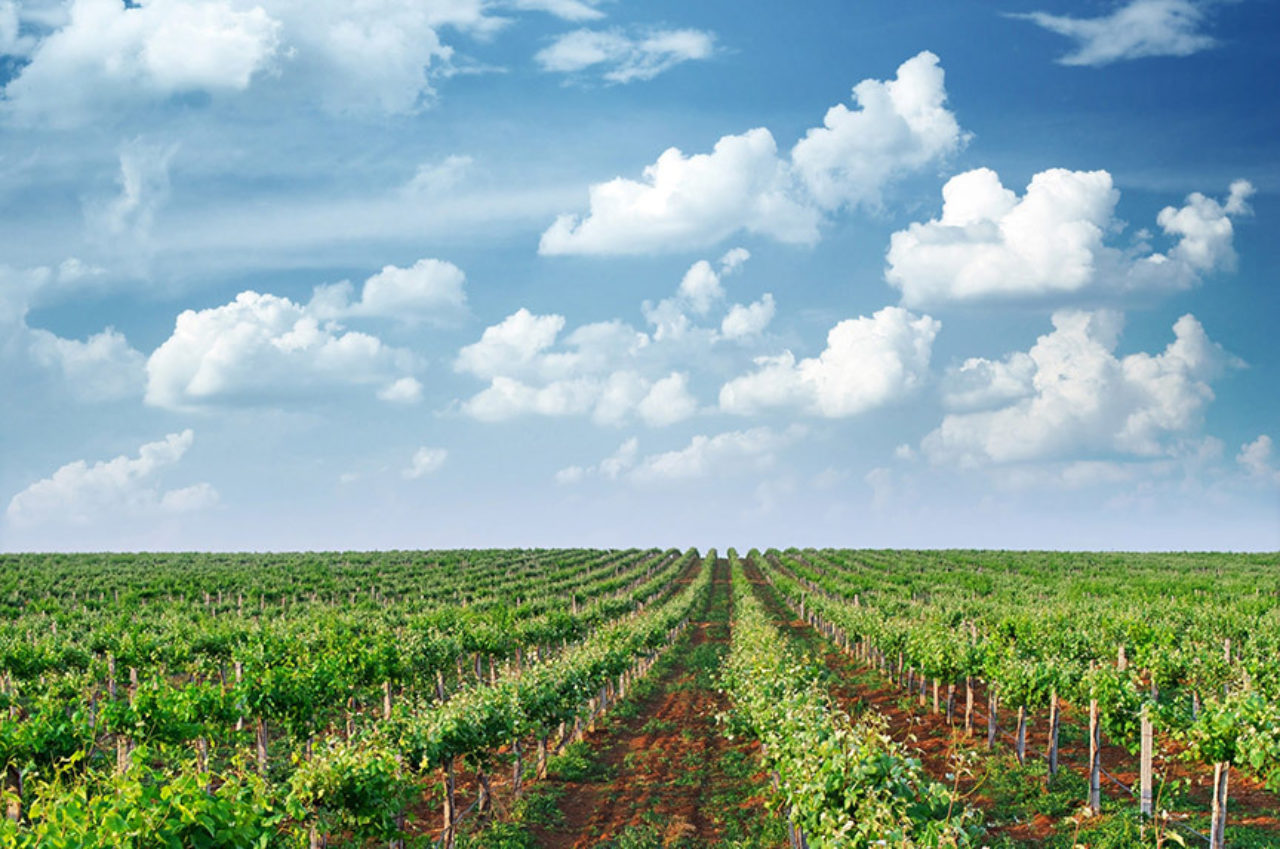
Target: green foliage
1021 791
499 835
147 810
1242 729
575 763
349 786
106 652
1034 623
842 784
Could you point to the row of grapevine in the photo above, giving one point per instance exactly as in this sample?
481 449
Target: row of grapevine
271 748
1153 673
300 672
841 783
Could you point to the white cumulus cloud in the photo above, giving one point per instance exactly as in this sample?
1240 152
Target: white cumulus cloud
1256 459
868 362
109 53
12 41
1075 399
900 125
668 401
512 345
979 383
103 367
1136 30
430 289
435 178
261 348
570 475
1204 229
700 290
610 468
686 202
608 370
621 57
723 454
81 494
743 184
424 461
989 243
720 455
406 390
610 399
374 57
749 320
700 287
507 398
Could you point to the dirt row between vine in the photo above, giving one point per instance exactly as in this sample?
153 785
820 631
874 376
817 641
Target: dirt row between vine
667 761
931 738
425 814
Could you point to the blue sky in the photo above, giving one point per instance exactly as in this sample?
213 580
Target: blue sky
393 274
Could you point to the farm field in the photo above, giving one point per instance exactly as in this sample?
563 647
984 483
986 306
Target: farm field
641 698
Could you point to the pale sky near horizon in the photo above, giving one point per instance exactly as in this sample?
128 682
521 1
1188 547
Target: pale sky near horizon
441 273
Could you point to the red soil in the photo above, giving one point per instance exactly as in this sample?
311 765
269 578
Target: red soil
933 740
662 760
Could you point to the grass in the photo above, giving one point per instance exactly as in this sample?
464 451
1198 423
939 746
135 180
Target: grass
576 764
1122 830
704 662
658 726
538 806
1020 791
652 834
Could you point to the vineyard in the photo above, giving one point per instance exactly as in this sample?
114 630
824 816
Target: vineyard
640 698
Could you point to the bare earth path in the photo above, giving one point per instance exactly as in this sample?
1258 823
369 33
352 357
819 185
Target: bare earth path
663 772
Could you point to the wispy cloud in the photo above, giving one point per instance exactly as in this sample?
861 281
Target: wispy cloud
79 493
620 57
1140 29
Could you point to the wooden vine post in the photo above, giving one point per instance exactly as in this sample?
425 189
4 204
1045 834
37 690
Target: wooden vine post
1218 823
202 755
450 812
1022 734
121 742
992 702
1146 795
1095 759
1226 657
398 841
12 774
13 786
517 767
239 667
968 705
1055 719
484 791
124 744
260 736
